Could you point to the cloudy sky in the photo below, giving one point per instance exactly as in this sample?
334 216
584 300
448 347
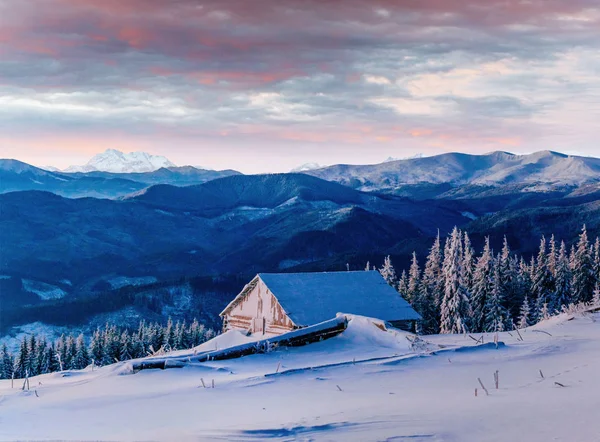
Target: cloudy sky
261 85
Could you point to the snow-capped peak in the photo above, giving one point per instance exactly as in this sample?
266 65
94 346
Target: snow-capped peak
305 167
115 161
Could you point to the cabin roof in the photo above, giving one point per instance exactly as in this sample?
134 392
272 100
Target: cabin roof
310 298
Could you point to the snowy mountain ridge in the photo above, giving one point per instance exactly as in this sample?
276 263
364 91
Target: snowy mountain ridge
493 169
115 161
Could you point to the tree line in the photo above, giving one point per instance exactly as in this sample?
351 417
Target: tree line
36 355
457 291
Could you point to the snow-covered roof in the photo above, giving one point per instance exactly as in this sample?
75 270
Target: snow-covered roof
310 298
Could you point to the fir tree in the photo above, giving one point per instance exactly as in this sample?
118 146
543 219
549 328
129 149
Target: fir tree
455 306
482 287
596 297
583 279
414 276
6 363
562 294
468 266
496 315
524 314
82 357
542 279
388 272
403 285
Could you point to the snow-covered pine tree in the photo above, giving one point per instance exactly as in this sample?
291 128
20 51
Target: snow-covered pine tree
82 356
552 256
51 359
41 365
70 362
403 284
583 279
562 286
544 312
482 287
468 266
388 272
543 284
96 348
524 320
596 260
6 363
496 314
455 305
414 277
124 346
22 360
596 297
368 266
508 279
430 291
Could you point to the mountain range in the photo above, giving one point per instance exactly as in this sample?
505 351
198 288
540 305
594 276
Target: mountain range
18 176
62 254
549 169
115 161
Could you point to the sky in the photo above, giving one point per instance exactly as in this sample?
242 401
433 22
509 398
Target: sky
264 86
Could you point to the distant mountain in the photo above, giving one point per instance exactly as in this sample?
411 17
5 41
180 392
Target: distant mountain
305 167
16 176
495 169
178 176
233 224
115 161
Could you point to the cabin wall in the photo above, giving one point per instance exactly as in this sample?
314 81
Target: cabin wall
258 311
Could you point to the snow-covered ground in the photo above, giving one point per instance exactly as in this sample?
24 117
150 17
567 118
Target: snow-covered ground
390 392
44 290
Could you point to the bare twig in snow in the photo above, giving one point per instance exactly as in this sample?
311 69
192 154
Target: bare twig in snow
559 384
521 337
542 374
278 367
487 393
203 384
338 387
542 331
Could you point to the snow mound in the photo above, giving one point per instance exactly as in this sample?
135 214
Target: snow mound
43 290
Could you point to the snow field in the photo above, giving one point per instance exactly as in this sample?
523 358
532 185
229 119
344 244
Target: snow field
296 394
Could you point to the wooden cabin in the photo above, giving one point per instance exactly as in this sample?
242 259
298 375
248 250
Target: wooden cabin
275 303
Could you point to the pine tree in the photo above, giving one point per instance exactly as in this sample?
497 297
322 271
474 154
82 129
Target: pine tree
562 294
482 287
96 348
583 280
82 357
468 266
496 315
6 363
388 272
21 362
414 276
596 297
524 314
125 347
542 279
403 285
431 291
552 256
455 305
596 260
544 312
368 266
